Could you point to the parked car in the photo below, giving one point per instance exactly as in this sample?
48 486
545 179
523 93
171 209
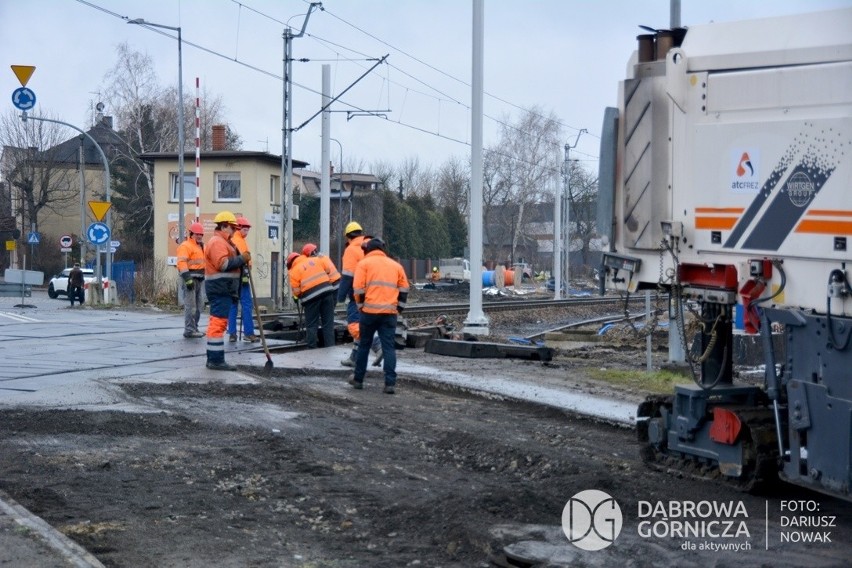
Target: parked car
59 283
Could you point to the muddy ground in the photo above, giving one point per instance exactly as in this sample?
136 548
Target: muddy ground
303 471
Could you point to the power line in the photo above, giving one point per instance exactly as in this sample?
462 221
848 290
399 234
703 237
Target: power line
314 91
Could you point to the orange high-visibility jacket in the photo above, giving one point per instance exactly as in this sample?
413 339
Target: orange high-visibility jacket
190 259
330 269
239 241
308 278
222 266
380 284
351 257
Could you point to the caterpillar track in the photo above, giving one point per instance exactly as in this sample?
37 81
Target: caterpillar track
760 449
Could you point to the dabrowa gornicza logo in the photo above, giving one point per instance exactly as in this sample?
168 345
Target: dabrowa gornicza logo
591 520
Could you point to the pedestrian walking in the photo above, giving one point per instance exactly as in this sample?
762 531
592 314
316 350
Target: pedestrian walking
380 288
245 302
190 266
351 256
75 285
222 273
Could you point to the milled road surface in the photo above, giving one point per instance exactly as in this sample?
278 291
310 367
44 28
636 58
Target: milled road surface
189 468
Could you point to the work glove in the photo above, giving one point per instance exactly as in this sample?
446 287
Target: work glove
190 283
296 299
246 257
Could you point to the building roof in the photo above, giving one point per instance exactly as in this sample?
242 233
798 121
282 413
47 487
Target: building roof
68 152
224 155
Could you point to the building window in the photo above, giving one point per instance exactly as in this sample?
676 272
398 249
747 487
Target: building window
227 186
274 190
188 187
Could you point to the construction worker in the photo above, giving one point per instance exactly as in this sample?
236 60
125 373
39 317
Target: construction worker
351 256
436 274
310 283
190 266
381 290
222 273
239 241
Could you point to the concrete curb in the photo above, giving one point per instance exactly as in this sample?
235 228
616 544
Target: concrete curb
69 550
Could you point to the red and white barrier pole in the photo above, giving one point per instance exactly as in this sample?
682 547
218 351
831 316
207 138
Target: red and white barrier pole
197 152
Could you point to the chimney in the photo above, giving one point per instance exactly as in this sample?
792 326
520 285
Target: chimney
218 137
107 121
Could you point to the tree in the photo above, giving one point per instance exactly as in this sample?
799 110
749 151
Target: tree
582 196
453 185
147 119
517 172
39 174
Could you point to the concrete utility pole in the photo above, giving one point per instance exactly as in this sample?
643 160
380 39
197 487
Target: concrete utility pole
325 160
82 205
286 231
476 322
566 173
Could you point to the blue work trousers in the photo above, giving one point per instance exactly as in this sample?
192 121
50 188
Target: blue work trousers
248 318
385 326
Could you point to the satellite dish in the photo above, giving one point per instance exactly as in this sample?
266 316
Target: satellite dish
100 107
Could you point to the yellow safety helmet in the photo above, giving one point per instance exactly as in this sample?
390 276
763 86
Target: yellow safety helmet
225 217
352 227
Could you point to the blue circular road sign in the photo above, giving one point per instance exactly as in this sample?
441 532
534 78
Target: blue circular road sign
23 98
98 233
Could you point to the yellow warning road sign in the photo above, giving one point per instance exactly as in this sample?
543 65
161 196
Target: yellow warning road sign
99 209
23 73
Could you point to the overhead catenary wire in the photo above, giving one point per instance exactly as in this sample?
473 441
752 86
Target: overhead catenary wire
348 104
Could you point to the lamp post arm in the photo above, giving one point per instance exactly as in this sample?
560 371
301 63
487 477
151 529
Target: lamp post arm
25 117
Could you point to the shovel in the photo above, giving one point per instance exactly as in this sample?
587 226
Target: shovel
267 368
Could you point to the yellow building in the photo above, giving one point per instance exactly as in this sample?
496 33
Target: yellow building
246 183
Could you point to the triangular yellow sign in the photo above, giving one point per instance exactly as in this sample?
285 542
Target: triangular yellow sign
99 209
23 73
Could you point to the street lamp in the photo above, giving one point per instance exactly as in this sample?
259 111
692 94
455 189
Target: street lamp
339 207
142 22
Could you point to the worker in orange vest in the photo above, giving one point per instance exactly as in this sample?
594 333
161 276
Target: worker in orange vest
311 283
222 273
239 240
351 256
190 266
381 291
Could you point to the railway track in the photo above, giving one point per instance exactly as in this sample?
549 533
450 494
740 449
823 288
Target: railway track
513 305
423 310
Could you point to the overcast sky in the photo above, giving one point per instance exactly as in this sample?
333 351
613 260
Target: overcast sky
564 56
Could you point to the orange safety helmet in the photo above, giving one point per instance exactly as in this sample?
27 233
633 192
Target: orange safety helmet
243 222
196 228
309 249
291 258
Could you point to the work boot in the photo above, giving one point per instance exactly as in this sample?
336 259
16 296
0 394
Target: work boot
379 356
389 389
357 385
220 366
251 338
193 334
232 338
350 361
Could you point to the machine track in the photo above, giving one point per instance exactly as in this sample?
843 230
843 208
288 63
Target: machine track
757 435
